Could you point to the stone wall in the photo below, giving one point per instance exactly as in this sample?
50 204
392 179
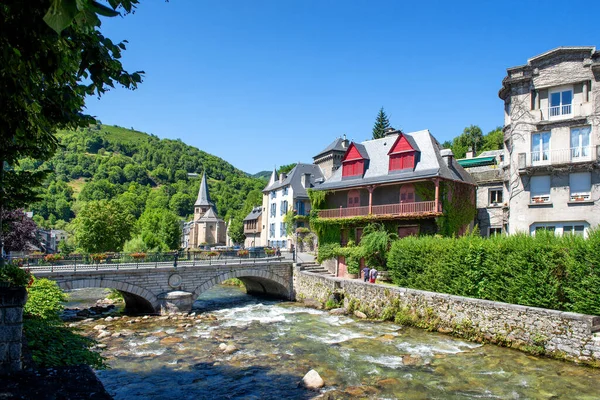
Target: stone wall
145 289
12 301
560 334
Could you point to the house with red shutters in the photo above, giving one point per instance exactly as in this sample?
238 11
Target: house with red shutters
405 180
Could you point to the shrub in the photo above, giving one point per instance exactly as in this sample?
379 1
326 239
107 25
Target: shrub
543 271
44 300
53 345
13 274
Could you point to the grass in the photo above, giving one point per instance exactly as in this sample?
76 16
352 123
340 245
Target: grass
76 185
124 135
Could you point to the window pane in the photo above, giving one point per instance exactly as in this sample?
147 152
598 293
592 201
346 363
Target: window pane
535 142
567 97
580 182
555 99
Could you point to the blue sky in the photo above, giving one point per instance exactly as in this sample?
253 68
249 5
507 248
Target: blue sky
264 83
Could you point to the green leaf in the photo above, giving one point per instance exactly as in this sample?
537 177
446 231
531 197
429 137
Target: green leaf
102 9
60 15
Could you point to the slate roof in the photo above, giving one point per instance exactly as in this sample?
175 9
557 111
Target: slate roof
210 216
336 145
254 214
203 196
294 179
361 150
429 163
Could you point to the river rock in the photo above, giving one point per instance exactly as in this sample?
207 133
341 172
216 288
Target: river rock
102 334
312 303
337 311
116 335
388 382
99 327
230 348
312 380
159 334
410 359
145 317
163 318
101 346
222 346
360 391
108 319
171 340
360 314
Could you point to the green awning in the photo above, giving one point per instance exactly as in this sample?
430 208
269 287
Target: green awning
477 161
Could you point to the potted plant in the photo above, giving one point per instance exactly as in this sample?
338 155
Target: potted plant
52 258
138 256
243 253
270 252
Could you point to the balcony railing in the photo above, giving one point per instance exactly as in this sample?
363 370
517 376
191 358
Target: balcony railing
416 209
559 156
556 111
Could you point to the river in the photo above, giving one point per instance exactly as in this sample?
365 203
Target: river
278 342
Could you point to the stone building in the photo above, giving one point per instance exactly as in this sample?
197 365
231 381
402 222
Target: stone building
253 227
330 158
488 172
207 227
551 141
285 193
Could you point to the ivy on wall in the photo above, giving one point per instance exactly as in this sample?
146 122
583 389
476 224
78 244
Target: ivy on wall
458 203
317 198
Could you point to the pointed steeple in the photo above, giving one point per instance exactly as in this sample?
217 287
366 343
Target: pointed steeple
203 196
273 177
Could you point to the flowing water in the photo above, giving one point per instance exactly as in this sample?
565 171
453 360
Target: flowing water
278 342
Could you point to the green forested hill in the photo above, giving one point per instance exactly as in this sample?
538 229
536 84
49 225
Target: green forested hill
141 174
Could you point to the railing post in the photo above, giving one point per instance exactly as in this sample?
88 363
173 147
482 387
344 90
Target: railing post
340 211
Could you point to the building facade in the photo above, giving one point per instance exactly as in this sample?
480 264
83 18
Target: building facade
253 227
402 179
488 171
551 142
207 228
285 193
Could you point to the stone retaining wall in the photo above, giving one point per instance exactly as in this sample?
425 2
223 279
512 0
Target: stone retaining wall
560 334
12 301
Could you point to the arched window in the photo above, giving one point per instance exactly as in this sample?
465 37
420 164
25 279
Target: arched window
353 198
407 193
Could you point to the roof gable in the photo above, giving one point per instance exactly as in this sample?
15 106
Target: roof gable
355 152
403 144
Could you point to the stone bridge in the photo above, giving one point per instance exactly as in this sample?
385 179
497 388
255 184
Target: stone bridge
152 289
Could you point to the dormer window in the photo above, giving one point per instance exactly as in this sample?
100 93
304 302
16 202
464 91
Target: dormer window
353 164
402 154
561 102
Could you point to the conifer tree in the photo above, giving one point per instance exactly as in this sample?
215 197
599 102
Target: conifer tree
381 124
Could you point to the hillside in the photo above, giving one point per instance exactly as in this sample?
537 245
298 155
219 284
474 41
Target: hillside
138 170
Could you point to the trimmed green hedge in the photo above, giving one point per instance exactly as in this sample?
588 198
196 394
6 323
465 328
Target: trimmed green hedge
561 273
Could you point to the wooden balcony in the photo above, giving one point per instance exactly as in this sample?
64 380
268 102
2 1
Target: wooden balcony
417 209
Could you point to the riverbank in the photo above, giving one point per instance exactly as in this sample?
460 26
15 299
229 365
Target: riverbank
274 344
555 334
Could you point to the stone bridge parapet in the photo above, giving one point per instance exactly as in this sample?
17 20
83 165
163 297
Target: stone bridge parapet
148 290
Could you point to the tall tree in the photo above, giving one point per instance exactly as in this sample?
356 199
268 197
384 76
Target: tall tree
474 137
53 56
381 124
102 226
493 140
20 231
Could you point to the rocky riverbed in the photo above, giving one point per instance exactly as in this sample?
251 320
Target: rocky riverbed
236 346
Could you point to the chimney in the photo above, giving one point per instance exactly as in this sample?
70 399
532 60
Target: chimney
282 177
469 153
447 155
391 131
345 142
306 181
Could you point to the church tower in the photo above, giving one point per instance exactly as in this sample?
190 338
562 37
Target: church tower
207 227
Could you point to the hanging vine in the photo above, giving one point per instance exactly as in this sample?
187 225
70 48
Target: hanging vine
458 203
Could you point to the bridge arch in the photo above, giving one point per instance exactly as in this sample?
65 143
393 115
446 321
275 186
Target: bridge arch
259 282
137 299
